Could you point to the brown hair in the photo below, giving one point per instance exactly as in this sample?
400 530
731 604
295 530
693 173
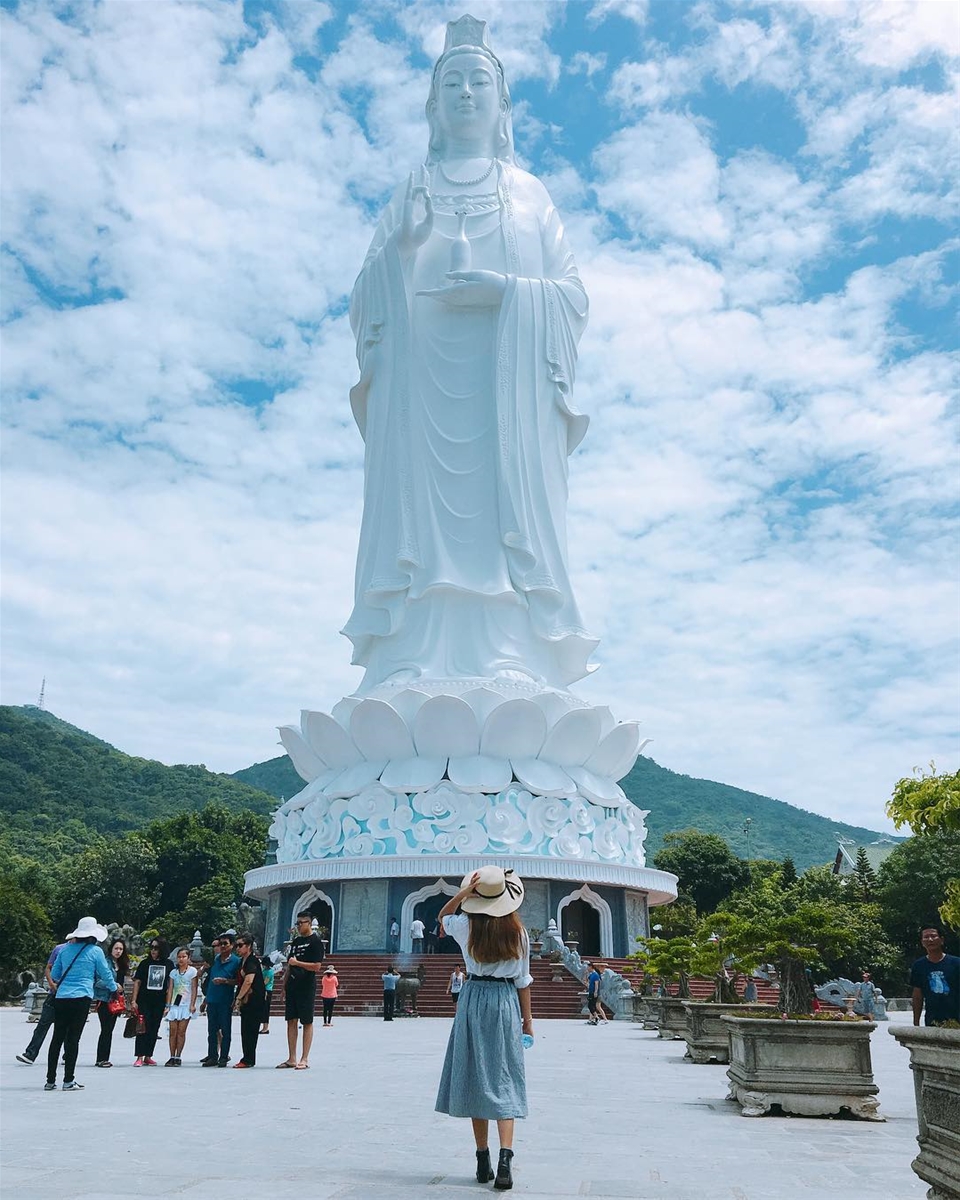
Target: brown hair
493 939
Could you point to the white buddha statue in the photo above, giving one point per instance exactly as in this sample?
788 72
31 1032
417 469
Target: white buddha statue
467 315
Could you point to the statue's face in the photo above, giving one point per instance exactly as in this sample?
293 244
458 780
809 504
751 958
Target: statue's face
468 98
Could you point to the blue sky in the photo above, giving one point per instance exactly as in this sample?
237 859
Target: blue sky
763 204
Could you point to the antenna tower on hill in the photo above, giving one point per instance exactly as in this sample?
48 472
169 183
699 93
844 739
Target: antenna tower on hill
43 688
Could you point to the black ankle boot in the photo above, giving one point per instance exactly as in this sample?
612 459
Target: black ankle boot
484 1170
504 1179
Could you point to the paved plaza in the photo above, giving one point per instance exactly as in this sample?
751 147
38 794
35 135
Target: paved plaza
615 1113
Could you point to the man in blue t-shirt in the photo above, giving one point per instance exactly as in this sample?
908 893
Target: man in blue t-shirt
935 981
593 994
221 984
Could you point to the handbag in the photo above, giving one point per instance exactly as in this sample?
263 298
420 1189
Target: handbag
135 1024
116 1005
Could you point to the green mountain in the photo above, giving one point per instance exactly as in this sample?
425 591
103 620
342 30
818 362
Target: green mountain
777 830
61 786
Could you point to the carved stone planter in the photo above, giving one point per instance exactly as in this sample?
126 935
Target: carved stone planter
673 1020
935 1062
812 1068
707 1035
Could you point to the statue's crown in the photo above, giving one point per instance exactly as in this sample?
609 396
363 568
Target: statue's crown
467 31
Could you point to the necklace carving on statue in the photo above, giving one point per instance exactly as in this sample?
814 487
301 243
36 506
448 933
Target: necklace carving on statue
467 182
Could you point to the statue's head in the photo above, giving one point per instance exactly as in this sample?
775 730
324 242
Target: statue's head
468 60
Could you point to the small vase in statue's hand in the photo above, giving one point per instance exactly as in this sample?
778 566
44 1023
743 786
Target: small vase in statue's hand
460 256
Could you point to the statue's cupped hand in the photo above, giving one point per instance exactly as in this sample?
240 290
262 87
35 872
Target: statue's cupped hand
470 289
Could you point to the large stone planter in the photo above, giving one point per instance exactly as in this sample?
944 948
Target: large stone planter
672 1024
812 1068
935 1062
707 1036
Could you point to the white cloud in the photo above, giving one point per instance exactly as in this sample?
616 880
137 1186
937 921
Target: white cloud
761 514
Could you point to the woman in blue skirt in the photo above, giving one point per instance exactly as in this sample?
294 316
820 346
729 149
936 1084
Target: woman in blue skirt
483 1075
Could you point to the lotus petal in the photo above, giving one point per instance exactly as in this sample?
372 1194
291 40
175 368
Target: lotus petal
515 729
354 779
413 774
479 773
596 788
379 732
446 725
573 739
483 701
643 745
343 708
329 739
408 703
607 720
617 753
543 778
553 705
306 763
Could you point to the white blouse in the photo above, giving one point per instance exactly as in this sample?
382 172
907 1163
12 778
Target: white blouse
457 926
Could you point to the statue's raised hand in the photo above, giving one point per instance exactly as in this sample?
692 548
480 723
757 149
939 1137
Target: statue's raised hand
412 233
470 289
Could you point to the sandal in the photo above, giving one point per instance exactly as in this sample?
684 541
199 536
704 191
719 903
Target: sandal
286 1066
303 1066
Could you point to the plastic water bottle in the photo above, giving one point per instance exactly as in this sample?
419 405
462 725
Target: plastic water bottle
527 1041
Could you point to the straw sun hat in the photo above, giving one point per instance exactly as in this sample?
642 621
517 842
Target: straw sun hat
496 893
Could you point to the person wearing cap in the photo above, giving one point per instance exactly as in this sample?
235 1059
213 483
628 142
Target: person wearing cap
77 970
329 983
483 1075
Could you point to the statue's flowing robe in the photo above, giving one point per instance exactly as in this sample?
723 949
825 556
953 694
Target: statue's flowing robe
467 422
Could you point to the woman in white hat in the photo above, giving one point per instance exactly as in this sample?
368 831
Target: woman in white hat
77 969
483 1076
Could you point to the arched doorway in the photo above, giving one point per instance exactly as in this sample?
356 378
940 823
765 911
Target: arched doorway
440 891
428 911
319 905
584 920
589 914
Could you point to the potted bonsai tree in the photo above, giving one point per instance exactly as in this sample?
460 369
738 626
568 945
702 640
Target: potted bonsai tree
670 959
805 1063
706 1034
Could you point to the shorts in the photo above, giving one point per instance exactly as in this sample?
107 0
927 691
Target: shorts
592 1004
299 1003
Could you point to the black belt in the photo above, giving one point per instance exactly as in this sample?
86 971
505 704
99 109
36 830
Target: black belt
489 979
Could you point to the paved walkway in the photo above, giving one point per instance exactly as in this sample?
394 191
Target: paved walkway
615 1113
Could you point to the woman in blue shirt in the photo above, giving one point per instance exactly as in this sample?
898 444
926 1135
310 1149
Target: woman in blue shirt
77 970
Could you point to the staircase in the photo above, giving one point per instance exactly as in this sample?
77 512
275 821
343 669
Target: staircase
555 994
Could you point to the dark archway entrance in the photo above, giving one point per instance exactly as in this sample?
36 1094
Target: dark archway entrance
322 913
428 911
582 917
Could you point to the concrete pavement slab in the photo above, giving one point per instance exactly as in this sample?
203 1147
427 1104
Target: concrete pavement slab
615 1113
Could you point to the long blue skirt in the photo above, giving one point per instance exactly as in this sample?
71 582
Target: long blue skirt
483 1073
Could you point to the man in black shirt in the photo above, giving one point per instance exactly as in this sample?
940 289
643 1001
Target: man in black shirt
935 980
303 966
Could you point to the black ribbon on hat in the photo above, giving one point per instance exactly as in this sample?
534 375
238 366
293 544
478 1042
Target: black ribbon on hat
509 885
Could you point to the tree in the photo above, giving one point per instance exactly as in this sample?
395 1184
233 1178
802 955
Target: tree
195 848
707 869
863 880
927 801
669 959
208 907
25 935
113 881
912 885
788 873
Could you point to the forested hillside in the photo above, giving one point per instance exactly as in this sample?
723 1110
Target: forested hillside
776 830
60 786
